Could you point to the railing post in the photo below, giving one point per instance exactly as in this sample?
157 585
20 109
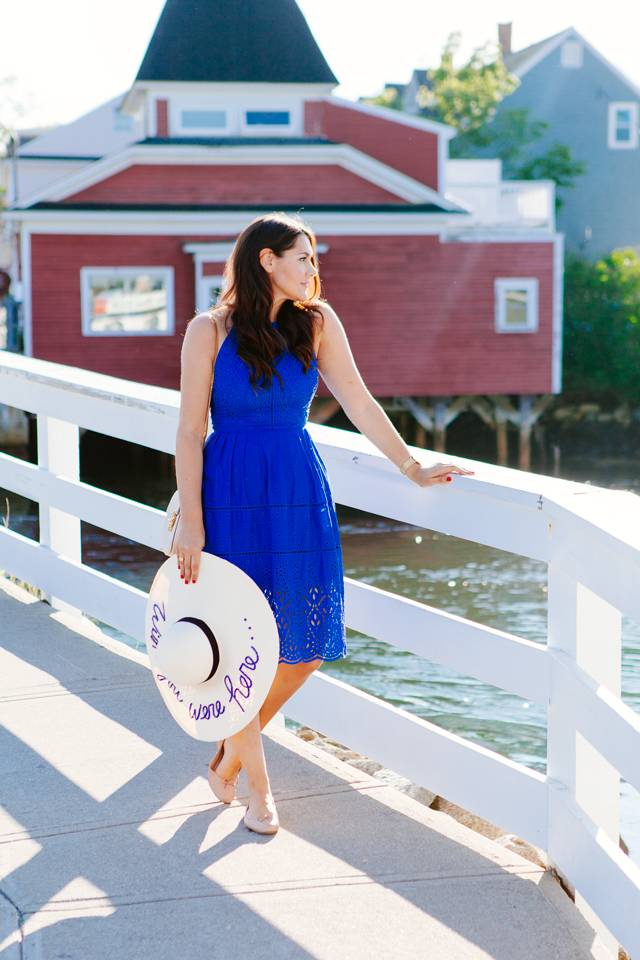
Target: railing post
59 452
587 629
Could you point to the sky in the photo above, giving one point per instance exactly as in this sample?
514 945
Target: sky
70 56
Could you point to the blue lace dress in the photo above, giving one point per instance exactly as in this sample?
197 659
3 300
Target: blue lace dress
267 504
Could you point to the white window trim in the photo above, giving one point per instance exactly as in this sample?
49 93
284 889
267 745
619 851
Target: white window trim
501 287
86 273
203 284
631 144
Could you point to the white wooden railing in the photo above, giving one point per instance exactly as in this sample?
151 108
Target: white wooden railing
510 203
589 538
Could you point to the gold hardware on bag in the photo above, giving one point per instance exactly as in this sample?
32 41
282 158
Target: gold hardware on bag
172 521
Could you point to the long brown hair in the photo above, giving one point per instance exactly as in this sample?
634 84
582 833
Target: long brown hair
249 297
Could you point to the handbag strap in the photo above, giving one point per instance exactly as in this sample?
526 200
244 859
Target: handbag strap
213 367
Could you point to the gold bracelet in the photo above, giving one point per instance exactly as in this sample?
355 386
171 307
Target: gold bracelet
407 465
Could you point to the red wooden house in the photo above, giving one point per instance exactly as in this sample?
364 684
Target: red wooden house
448 280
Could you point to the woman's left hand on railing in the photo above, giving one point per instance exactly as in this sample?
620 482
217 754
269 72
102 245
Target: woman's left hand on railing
438 473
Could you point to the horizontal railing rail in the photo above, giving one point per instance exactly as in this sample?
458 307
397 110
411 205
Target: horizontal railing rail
590 539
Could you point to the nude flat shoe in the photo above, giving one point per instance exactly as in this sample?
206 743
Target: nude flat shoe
224 790
266 825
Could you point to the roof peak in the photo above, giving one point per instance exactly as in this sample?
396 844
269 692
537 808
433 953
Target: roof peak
243 41
516 58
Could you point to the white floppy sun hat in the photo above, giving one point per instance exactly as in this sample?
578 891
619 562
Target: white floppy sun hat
213 646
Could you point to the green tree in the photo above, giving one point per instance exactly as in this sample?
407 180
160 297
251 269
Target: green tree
467 97
509 135
557 164
390 97
602 330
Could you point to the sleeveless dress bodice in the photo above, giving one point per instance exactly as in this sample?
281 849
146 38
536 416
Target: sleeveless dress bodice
267 503
237 405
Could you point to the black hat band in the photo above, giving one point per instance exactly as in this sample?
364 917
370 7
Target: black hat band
206 629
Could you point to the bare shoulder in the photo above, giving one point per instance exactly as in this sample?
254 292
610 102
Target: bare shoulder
200 328
331 326
327 312
330 321
201 332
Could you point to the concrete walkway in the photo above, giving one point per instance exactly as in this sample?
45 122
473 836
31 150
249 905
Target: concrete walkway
111 846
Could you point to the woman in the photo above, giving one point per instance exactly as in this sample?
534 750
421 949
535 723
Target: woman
258 494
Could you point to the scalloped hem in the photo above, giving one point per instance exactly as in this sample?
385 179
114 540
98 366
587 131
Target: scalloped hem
292 663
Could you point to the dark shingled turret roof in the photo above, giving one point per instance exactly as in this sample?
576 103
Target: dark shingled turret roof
233 41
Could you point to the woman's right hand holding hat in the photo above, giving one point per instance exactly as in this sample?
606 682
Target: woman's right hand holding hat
189 546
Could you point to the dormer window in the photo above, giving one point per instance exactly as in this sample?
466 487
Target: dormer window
194 118
203 119
230 116
268 118
122 122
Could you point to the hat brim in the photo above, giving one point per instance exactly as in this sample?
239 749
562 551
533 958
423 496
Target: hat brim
239 615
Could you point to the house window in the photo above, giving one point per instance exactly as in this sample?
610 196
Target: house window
127 301
268 118
623 126
122 123
516 305
203 119
208 289
571 55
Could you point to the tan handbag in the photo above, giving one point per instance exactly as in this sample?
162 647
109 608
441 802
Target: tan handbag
172 518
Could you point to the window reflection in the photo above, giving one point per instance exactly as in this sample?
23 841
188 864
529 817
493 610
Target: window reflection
516 308
127 301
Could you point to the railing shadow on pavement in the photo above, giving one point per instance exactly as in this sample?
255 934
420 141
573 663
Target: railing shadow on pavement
106 853
588 537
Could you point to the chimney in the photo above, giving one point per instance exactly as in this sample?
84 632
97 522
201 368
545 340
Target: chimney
504 36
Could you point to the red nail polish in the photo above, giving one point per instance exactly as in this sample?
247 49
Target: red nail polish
182 576
193 581
448 479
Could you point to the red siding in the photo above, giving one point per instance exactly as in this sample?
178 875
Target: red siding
213 269
411 151
162 118
57 331
274 185
419 314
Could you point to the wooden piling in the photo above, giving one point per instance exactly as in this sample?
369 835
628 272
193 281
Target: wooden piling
526 422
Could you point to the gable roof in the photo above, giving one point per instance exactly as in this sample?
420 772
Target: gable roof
515 61
524 60
92 135
296 153
234 41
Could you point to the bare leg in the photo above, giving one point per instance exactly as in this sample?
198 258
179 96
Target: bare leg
248 746
289 678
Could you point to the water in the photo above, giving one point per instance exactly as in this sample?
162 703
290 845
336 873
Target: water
485 585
